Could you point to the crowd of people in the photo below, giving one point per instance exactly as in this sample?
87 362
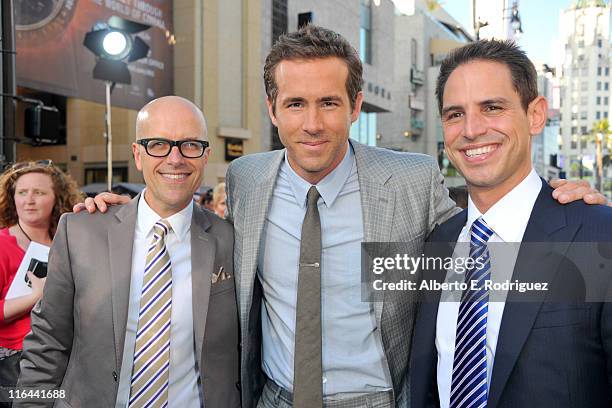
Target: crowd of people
154 301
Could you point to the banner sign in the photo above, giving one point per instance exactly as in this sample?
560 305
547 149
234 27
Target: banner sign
51 56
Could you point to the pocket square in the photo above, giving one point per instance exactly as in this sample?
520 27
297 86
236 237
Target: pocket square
220 276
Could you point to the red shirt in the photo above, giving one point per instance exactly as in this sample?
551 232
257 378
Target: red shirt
11 254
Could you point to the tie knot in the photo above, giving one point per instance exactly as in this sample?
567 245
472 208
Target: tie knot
312 197
481 232
161 228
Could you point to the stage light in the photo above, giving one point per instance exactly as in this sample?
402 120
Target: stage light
116 45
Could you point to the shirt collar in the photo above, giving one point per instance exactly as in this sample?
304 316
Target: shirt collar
329 188
509 216
147 217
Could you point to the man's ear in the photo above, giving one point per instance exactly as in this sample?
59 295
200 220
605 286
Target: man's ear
357 108
537 114
270 103
206 155
136 152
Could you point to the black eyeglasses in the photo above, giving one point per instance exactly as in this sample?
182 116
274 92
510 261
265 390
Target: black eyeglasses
190 149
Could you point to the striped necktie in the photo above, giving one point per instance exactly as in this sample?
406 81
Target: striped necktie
469 378
149 387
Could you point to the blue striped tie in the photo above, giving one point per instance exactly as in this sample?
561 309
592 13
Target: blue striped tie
149 386
469 379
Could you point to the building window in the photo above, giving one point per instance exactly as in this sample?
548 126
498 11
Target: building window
583 115
598 100
574 116
597 115
573 144
598 70
365 31
583 100
607 71
605 115
606 86
413 52
280 24
598 85
364 129
605 100
574 130
584 86
583 130
96 173
279 19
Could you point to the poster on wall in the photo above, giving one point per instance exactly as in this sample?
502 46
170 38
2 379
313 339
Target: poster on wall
51 57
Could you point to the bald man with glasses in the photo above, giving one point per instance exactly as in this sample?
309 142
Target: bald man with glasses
140 306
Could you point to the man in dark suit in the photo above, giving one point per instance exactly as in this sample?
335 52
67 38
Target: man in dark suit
537 349
140 305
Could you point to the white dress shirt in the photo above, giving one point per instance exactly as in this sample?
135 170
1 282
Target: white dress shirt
508 219
352 353
183 376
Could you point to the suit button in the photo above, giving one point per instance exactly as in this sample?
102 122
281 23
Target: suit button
115 376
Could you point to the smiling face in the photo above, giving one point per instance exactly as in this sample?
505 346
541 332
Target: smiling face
487 133
172 180
34 199
313 114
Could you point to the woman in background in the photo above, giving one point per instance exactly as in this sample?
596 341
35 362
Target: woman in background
218 200
33 196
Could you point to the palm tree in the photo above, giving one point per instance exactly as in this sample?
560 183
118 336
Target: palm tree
601 134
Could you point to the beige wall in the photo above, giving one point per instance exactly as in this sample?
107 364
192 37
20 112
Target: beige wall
218 67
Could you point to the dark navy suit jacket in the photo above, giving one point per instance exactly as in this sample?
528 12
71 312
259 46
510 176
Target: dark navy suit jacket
554 350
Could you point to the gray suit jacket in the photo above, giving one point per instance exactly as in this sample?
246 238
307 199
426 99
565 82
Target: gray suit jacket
78 328
402 198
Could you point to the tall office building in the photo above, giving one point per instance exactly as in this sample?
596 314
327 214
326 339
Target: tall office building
585 82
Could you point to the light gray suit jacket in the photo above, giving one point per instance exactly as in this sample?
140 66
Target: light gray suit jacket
78 328
402 199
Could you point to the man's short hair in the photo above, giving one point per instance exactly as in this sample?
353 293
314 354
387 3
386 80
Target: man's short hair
522 71
308 43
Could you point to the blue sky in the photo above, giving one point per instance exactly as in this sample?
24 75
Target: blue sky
540 22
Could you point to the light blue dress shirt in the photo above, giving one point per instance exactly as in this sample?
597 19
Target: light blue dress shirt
353 359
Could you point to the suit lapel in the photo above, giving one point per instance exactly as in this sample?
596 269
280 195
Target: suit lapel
256 203
203 249
120 243
538 263
440 244
377 204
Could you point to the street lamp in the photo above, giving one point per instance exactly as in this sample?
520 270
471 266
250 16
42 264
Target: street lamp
114 45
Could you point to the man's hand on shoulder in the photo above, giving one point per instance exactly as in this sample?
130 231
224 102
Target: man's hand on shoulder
567 191
100 202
